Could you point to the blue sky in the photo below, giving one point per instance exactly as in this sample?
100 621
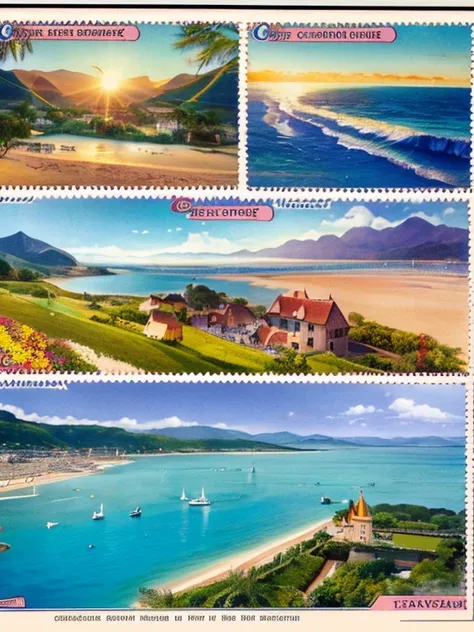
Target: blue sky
421 50
139 231
333 409
152 54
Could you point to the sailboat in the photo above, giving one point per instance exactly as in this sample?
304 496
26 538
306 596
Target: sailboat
99 515
50 525
202 501
183 495
136 513
252 471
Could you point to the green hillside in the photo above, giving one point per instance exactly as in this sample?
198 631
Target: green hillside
18 263
216 88
15 433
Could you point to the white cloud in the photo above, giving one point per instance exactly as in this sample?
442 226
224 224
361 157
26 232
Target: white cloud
135 231
408 409
361 216
145 232
360 409
126 423
449 211
169 230
364 425
291 414
179 229
202 242
310 234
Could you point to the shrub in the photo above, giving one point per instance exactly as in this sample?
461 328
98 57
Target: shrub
336 550
42 292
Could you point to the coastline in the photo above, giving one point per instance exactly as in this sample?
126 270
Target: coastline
57 477
172 169
424 303
242 561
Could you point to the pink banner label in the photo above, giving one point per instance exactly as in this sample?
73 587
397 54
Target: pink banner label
413 602
14 602
242 212
86 32
312 34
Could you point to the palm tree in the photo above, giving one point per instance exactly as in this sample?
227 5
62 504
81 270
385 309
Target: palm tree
217 43
15 48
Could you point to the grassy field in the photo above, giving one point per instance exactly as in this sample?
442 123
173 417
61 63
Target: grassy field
421 542
68 317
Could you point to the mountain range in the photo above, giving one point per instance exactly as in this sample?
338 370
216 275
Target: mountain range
19 434
415 238
24 249
63 88
308 442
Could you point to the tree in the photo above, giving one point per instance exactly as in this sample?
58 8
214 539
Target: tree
11 128
355 319
15 48
217 43
157 598
5 268
27 275
384 520
240 301
259 310
26 112
201 297
288 362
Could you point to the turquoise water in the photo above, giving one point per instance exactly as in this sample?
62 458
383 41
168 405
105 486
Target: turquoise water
56 569
142 281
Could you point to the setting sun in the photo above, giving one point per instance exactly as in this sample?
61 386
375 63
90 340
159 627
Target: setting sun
110 82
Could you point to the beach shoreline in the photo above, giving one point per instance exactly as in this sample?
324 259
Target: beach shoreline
241 562
172 169
57 477
432 304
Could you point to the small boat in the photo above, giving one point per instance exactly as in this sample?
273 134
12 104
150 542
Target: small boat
202 501
325 500
252 471
50 525
91 495
92 546
99 515
136 513
183 495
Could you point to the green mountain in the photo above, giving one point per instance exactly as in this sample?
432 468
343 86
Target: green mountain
35 251
218 88
12 90
19 434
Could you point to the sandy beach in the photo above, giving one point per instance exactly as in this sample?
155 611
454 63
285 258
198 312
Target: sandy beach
56 477
244 561
430 304
178 166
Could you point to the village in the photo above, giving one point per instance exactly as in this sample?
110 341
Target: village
294 320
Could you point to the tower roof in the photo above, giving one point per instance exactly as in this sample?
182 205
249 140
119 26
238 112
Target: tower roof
361 509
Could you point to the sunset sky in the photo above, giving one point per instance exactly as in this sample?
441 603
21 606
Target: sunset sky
418 50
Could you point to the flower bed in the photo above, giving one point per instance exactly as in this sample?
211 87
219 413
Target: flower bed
34 351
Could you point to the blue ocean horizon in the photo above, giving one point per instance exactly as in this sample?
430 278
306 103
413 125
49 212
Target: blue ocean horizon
369 136
142 281
54 568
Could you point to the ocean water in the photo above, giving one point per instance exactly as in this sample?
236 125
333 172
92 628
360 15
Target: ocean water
372 136
55 568
144 281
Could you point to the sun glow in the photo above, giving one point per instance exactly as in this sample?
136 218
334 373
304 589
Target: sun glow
110 81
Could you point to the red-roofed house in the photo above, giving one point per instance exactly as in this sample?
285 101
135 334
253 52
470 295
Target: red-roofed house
163 326
227 316
175 300
306 324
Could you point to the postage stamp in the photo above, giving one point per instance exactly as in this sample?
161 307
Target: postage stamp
199 486
371 107
176 285
113 105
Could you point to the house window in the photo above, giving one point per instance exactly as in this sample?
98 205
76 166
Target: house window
297 325
310 342
310 327
295 346
283 323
